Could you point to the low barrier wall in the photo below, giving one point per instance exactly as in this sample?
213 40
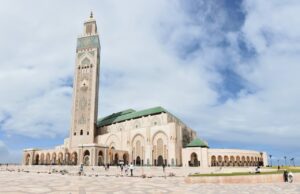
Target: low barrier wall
243 179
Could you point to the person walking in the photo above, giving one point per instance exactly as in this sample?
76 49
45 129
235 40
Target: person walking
285 175
126 169
81 169
290 177
164 167
131 169
121 169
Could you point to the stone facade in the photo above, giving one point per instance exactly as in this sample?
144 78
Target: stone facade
208 157
149 137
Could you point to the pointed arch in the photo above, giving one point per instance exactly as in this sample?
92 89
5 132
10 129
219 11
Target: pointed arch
160 145
113 140
86 61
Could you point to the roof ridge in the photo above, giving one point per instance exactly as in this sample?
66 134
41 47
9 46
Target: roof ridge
119 117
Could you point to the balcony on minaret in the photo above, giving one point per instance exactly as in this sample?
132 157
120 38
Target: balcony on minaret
89 39
90 26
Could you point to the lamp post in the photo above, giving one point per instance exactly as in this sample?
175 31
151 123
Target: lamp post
82 154
285 160
270 159
292 161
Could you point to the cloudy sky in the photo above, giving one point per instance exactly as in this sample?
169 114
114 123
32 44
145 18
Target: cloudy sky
229 69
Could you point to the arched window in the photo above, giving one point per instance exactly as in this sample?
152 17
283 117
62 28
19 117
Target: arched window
194 160
213 161
27 159
100 158
160 151
74 158
86 157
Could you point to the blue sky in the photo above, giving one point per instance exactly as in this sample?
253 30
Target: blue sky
228 69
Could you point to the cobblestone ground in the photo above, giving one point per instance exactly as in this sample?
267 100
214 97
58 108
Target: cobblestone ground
24 182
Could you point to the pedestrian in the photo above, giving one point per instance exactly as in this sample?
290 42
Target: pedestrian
278 168
164 166
285 175
131 169
290 177
126 169
81 169
121 168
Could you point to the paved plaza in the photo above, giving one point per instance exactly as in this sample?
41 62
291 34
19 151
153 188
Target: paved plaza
41 182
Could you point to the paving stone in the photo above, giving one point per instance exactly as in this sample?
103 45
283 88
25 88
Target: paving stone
21 183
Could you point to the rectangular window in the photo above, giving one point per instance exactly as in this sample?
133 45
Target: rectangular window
89 28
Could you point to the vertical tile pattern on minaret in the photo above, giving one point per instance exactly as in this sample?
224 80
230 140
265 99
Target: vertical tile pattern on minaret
86 86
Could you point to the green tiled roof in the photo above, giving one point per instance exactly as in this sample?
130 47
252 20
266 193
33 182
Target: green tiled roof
197 143
127 115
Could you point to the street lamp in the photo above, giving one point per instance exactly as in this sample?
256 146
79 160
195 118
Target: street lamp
292 161
82 154
285 160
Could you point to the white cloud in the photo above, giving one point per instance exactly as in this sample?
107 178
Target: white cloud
9 156
143 64
271 114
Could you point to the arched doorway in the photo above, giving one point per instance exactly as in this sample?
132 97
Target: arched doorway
27 159
243 161
100 158
60 158
160 152
74 158
238 161
248 161
226 161
194 160
125 158
138 152
36 161
138 161
86 158
116 161
111 152
213 161
160 160
53 158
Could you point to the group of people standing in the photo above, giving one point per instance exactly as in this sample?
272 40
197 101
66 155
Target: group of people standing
127 168
123 167
288 176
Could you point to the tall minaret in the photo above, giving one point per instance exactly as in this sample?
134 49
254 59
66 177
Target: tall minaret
86 86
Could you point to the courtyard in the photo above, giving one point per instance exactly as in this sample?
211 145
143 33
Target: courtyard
37 180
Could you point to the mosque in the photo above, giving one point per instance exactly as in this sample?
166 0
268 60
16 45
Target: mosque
150 137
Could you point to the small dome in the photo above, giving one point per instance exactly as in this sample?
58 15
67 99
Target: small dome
197 143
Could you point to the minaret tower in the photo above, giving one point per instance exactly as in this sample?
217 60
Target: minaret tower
86 86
